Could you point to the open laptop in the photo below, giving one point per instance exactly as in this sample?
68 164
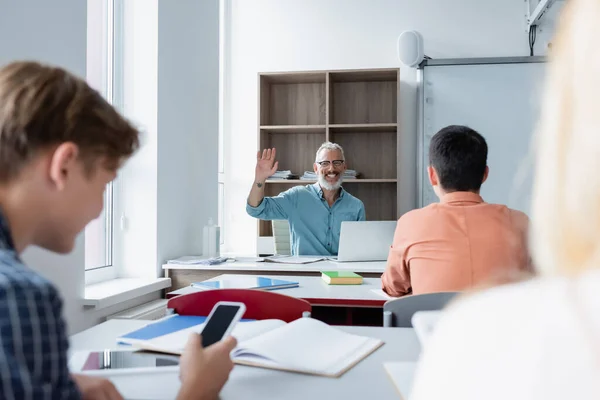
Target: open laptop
365 240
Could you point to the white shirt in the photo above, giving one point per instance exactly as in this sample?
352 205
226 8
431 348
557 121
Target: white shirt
536 340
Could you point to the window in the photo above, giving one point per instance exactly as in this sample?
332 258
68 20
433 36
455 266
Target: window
224 8
102 74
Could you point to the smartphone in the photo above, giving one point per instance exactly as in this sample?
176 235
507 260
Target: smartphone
221 321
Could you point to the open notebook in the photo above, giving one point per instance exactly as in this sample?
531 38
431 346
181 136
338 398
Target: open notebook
305 345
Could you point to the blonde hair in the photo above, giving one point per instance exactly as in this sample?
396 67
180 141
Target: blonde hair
566 199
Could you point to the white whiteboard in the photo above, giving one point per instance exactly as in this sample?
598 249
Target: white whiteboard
501 102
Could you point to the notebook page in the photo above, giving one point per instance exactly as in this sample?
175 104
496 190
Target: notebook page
381 293
304 345
355 356
175 342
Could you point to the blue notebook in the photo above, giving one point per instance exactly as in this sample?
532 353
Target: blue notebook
246 282
164 326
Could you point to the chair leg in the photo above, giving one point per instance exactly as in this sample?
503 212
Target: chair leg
387 319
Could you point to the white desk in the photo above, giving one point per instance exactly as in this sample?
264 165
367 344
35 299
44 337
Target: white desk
318 293
367 380
183 275
358 267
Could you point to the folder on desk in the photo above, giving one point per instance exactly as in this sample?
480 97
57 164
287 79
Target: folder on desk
165 326
246 282
161 327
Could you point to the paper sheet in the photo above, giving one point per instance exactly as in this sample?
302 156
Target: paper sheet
294 259
382 294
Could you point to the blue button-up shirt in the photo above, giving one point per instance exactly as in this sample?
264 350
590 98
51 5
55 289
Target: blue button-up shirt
33 338
314 226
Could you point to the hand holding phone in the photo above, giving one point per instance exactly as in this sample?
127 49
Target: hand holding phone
204 371
221 321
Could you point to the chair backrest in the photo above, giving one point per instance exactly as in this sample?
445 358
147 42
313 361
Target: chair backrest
281 237
259 304
398 312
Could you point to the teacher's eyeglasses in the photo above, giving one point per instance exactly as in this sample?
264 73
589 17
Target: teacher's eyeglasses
325 164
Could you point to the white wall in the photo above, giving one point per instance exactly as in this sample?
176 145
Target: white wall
188 110
136 189
274 35
168 190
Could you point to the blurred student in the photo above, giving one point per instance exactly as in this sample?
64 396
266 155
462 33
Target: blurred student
60 144
540 339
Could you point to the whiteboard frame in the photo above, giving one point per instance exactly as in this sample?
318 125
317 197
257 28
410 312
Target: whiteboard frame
421 71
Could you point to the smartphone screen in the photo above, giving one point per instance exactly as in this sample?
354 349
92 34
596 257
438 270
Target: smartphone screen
104 360
217 324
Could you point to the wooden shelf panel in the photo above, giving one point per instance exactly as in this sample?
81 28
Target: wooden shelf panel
295 150
363 102
363 128
364 76
300 181
380 200
292 103
294 77
373 155
293 129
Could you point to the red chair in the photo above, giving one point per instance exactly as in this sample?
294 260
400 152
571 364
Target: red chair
259 304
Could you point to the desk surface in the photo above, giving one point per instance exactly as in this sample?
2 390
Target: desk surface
317 292
358 267
368 379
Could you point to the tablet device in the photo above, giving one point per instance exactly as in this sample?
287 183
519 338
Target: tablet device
108 362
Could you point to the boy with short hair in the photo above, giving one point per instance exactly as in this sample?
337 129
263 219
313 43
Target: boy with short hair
60 144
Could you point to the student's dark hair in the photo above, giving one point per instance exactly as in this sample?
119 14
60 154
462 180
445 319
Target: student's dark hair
459 156
42 106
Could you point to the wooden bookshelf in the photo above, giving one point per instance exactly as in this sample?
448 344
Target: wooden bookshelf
357 109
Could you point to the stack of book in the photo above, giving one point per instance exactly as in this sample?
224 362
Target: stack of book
312 176
283 175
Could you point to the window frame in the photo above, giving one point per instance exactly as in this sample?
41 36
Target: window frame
111 88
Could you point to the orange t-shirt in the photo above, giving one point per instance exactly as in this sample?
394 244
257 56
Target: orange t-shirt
454 245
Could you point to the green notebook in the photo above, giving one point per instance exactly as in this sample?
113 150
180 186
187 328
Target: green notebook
341 278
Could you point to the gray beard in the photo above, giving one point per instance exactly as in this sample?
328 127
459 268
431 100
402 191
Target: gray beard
328 186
